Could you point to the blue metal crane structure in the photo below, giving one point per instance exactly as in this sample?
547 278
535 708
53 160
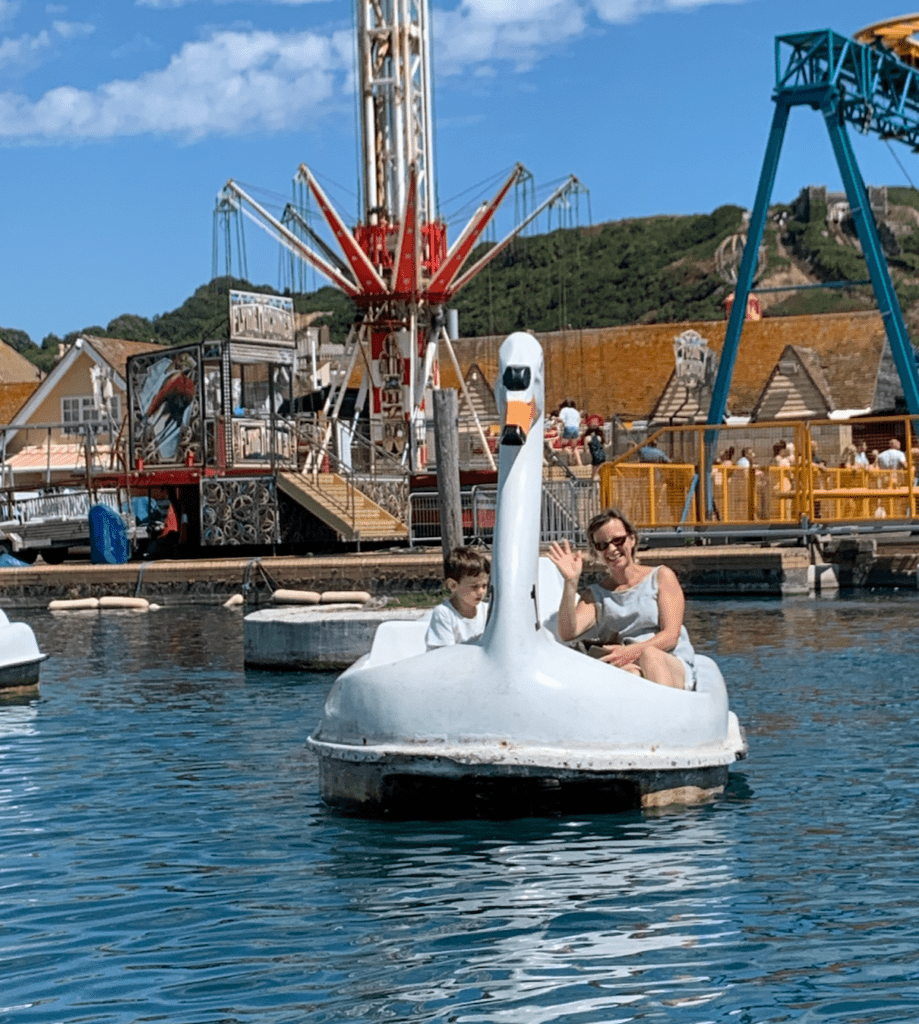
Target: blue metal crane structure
872 82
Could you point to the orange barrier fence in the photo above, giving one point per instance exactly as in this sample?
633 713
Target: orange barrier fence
809 471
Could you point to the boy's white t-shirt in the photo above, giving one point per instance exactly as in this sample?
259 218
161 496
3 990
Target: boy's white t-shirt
447 626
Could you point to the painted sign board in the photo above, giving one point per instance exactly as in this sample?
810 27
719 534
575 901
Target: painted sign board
258 317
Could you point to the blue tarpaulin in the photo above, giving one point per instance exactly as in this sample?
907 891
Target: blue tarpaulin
108 537
8 561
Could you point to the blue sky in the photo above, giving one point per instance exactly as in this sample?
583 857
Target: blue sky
120 120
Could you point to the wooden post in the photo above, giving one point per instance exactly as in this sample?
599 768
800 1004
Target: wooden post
446 451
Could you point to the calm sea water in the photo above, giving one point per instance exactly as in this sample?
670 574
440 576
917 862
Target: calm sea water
164 855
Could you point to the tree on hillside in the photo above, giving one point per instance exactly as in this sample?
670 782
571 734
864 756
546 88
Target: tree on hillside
131 327
652 269
343 310
17 339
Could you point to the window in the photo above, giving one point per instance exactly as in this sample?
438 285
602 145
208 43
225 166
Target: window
82 409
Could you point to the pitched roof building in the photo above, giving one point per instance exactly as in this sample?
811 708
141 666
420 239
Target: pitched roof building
15 368
66 398
843 358
12 398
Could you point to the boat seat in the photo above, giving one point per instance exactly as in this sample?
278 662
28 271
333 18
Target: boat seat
399 639
708 675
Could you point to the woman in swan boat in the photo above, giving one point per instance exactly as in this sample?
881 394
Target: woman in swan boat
638 608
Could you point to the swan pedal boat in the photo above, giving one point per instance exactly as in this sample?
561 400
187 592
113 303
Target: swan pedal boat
517 719
20 658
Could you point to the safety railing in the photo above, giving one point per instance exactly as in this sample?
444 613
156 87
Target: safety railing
94 446
566 509
424 517
383 477
63 505
768 474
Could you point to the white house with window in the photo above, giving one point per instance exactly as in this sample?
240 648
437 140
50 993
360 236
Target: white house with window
76 412
82 409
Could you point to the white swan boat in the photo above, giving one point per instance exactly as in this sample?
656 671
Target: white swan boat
517 711
20 658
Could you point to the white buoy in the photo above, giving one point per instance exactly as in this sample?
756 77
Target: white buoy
138 604
295 597
74 604
345 597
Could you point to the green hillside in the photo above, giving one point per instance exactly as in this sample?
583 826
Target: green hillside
643 270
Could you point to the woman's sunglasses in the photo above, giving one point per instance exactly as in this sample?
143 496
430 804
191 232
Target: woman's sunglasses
619 542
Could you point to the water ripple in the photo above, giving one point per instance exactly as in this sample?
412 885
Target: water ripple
164 856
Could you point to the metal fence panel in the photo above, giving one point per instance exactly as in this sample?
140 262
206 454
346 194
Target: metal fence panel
424 517
567 507
65 505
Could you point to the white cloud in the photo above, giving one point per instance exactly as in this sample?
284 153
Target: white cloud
631 10
237 82
73 29
232 83
24 52
169 4
8 10
478 33
139 44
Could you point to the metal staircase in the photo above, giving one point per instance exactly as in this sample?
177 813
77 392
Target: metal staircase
342 506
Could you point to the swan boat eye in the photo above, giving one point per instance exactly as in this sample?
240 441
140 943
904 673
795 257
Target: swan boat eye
516 378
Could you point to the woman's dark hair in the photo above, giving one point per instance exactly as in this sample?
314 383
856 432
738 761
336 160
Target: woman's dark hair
607 516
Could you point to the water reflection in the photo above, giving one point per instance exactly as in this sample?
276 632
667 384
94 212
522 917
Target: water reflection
551 920
814 624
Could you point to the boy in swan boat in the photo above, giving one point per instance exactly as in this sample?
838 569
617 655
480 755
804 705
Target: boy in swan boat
643 605
462 616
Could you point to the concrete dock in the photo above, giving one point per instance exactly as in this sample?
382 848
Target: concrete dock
708 570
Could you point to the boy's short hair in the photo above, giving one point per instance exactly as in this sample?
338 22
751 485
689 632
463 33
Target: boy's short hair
466 561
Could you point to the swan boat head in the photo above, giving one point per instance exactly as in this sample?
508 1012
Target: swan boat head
516 700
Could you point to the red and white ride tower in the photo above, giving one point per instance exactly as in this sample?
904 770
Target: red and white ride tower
395 263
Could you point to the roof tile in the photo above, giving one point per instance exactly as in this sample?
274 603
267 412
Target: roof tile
624 370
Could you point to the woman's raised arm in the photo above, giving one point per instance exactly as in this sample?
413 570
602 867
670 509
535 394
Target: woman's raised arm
574 615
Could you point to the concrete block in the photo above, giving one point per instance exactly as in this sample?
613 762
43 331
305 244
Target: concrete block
314 638
822 578
796 581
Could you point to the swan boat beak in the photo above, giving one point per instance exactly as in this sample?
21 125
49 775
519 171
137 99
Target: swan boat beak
520 414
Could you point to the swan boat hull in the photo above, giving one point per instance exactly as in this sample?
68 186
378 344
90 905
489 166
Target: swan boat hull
21 675
20 658
410 786
585 743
